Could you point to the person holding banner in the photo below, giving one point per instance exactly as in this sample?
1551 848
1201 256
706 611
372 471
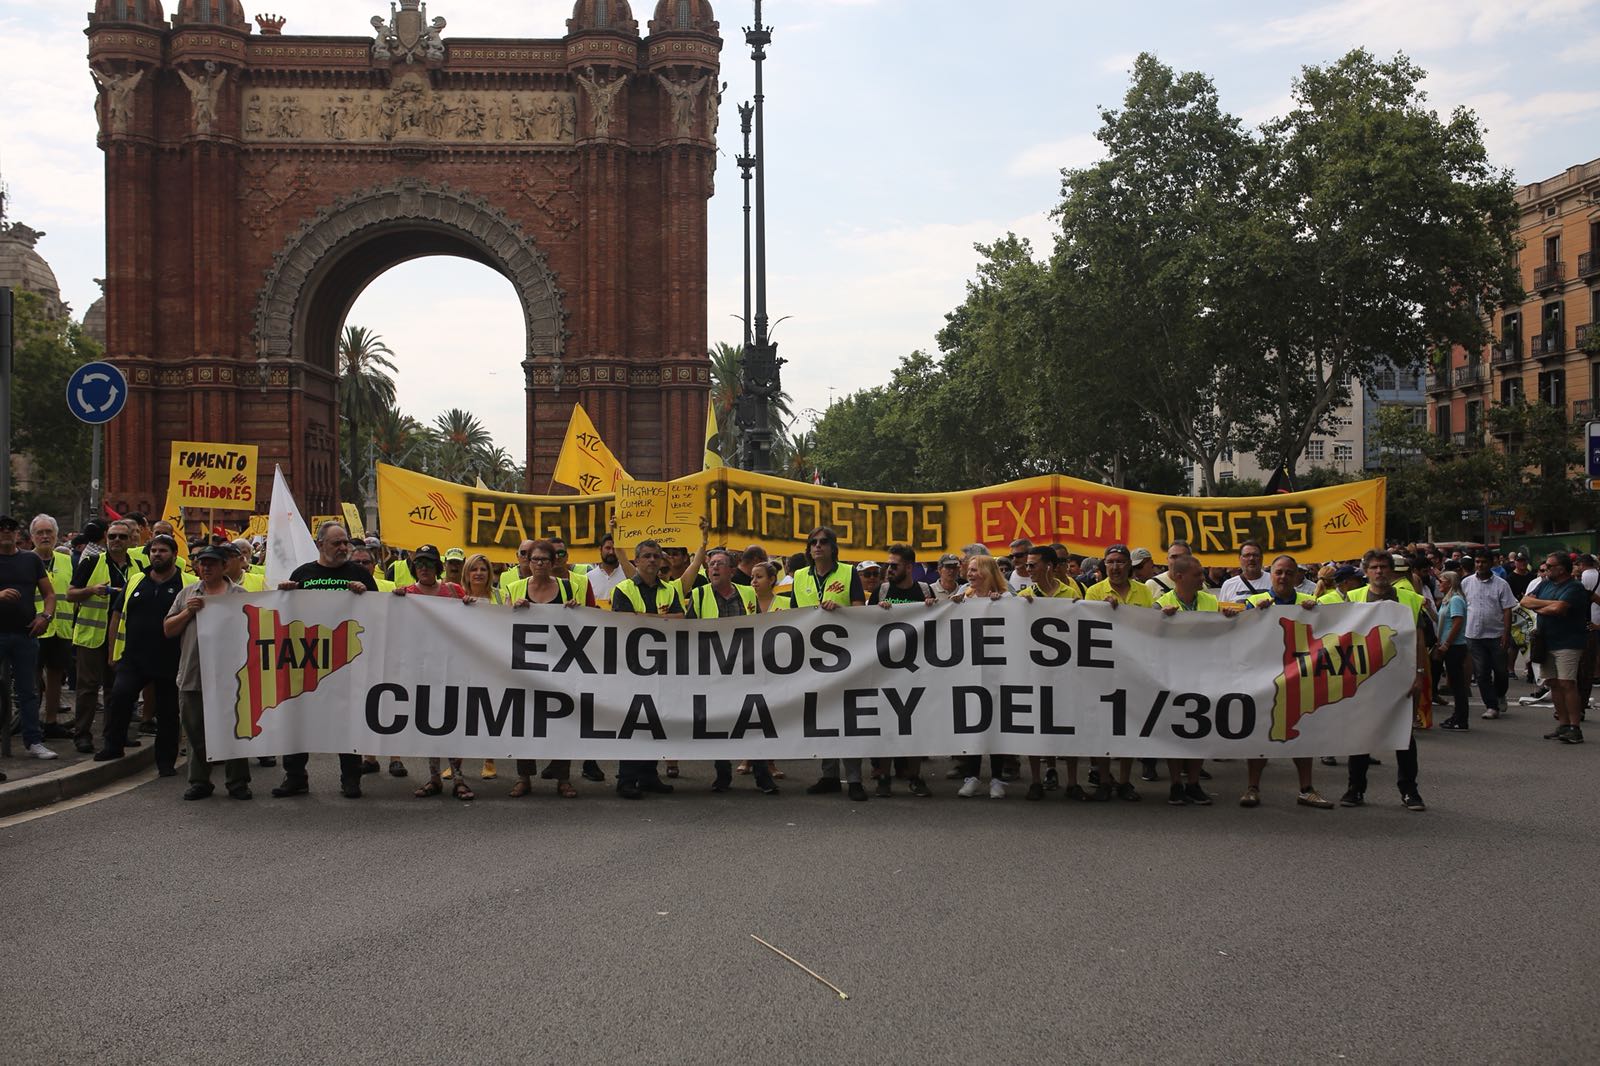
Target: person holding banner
646 593
542 589
1118 587
829 584
1284 591
722 598
900 587
764 583
1187 578
1379 567
985 583
211 563
331 570
1250 580
237 552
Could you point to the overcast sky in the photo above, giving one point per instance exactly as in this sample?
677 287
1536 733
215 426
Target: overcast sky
899 132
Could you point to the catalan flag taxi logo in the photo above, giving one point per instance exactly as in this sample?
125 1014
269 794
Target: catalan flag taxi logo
1317 672
285 659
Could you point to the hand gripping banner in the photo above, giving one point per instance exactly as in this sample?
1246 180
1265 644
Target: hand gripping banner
341 672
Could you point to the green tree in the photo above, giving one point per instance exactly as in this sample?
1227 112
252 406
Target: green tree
727 363
1544 455
1379 234
365 390
57 448
463 440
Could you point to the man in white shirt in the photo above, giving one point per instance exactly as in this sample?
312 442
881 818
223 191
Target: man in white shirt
608 573
1490 602
1250 580
1021 577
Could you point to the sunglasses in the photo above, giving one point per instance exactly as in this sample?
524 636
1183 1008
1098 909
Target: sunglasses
116 536
561 552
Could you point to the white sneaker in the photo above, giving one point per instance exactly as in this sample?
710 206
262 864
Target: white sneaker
1491 713
997 789
969 788
1540 695
39 751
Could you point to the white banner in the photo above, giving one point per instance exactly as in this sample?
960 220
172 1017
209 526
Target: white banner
336 671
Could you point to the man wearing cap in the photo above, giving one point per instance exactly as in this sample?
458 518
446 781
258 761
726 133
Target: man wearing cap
1142 568
236 567
1490 602
143 655
949 580
22 575
210 563
1346 579
427 565
1379 567
1251 580
332 570
98 581
1119 586
871 575
55 645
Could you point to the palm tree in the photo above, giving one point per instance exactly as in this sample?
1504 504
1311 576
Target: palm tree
798 452
727 382
462 438
365 392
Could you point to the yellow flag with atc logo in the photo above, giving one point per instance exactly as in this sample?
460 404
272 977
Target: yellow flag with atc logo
713 460
585 463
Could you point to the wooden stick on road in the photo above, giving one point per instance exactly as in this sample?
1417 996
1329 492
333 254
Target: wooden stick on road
802 965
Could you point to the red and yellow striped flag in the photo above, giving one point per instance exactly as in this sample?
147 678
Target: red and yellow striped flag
282 661
1319 672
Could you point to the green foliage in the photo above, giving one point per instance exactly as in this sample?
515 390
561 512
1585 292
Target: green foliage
56 445
1543 464
365 391
727 384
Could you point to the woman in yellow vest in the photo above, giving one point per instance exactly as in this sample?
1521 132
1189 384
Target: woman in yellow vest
477 578
764 584
541 589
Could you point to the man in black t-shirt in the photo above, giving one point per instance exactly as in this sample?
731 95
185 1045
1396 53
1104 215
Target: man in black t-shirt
332 571
21 575
142 654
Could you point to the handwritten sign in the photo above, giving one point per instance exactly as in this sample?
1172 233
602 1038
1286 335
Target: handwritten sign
217 476
667 511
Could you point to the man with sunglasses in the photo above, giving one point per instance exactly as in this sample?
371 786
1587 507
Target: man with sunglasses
521 572
830 584
97 581
1021 573
144 657
646 593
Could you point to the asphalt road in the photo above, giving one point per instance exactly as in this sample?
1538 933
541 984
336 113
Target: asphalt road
390 929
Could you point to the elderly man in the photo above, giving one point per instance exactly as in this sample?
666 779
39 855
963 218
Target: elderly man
22 576
722 598
332 570
98 581
210 563
1161 584
55 644
1490 602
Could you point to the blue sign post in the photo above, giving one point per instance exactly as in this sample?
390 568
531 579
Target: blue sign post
1592 440
96 393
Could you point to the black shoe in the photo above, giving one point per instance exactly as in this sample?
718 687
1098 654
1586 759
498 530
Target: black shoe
1127 792
629 792
1094 778
1573 735
858 792
267 760
1147 770
1175 796
350 790
1052 781
148 728
1352 798
1205 775
1557 732
722 784
133 741
198 792
1196 795
1373 760
919 788
241 793
823 786
106 755
592 772
397 768
1329 760
1412 801
654 784
1103 793
84 745
884 791
369 766
1035 791
769 787
1453 725
292 786
52 731
167 771
1075 792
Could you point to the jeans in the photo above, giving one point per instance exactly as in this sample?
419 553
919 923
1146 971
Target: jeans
132 677
1489 664
1455 663
1406 759
23 653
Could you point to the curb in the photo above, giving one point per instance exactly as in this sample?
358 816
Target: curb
71 781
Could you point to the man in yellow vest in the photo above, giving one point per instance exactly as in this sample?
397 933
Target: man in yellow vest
237 567
1283 592
646 593
142 654
720 597
1186 593
1380 571
521 572
1118 587
100 577
830 584
55 643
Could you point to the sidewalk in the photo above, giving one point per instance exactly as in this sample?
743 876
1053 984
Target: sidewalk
32 782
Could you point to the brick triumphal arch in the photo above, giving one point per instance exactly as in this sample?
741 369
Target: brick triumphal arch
257 182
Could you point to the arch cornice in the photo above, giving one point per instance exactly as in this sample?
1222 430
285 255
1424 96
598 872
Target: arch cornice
323 239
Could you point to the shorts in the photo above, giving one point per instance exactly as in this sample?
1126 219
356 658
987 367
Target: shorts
1561 664
55 653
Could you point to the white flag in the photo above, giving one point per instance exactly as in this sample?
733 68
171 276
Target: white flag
289 542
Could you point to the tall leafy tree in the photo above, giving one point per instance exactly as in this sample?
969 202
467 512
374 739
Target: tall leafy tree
365 390
56 447
462 440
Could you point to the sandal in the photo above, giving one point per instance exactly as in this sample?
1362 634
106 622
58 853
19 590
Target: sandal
565 790
432 788
742 768
521 788
463 791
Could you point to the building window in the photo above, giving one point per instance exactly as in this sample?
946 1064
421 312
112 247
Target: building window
1441 421
1511 329
1385 381
602 14
1315 450
1343 451
1474 419
1225 477
1510 392
1553 388
1552 249
685 21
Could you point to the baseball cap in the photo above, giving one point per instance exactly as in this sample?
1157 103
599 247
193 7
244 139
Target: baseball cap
868 564
7 522
949 559
1123 549
455 555
1401 562
208 553
1140 555
428 553
1346 573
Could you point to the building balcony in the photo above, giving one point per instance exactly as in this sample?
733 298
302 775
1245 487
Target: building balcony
1549 275
1581 335
1438 381
1470 376
1550 342
1506 354
1582 410
1588 264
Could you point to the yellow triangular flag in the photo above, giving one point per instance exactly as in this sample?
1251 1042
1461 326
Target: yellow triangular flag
172 512
713 459
585 463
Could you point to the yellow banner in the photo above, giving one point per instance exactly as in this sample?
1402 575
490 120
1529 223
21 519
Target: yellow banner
257 526
1315 526
352 521
585 463
219 477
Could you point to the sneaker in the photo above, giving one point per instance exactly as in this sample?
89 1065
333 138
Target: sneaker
919 788
769 787
858 792
823 786
1035 791
1453 725
1051 781
1094 778
1557 733
883 787
1205 775
39 751
1412 801
1491 714
1538 695
1329 760
1196 795
397 768
350 790
1352 798
1312 798
997 789
1251 797
1075 792
969 788
1175 796
1147 770
1127 793
369 766
1573 735
592 771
